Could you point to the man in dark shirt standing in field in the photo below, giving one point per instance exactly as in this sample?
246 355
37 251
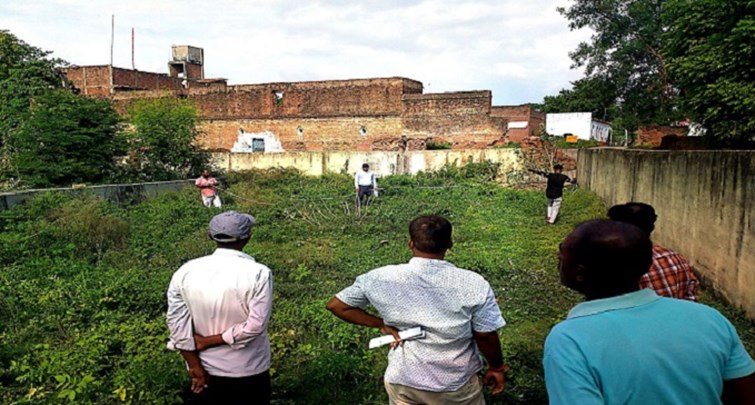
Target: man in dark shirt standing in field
554 191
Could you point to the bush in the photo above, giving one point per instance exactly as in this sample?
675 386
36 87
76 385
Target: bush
432 145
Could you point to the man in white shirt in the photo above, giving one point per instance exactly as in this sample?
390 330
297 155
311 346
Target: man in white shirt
456 308
218 311
365 184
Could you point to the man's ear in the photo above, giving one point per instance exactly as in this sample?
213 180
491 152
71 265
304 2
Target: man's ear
411 244
450 244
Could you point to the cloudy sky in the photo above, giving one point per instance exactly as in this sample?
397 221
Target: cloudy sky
516 48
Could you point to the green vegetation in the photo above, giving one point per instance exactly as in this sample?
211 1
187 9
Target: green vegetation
82 291
433 145
50 136
659 62
66 139
559 142
163 143
710 52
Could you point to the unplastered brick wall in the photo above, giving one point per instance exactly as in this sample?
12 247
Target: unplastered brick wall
518 113
136 79
462 118
96 80
317 134
90 80
339 98
653 134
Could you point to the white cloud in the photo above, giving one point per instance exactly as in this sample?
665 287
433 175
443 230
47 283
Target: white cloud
517 49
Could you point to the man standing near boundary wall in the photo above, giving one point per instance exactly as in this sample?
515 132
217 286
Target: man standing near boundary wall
626 345
554 190
365 184
208 190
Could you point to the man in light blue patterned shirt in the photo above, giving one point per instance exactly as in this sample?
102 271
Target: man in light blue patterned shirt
455 307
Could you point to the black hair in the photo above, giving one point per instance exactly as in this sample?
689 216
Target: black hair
558 167
431 233
638 214
365 165
613 253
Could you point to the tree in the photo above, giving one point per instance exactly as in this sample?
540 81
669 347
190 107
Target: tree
163 141
587 95
710 49
65 138
626 51
25 71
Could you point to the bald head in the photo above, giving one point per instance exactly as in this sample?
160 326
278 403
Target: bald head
605 258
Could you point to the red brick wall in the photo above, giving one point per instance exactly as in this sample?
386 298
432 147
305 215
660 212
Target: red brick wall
462 118
90 80
144 80
343 98
652 134
95 80
318 133
523 112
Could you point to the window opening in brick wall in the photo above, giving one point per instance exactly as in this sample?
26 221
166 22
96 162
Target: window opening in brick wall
300 133
278 94
362 130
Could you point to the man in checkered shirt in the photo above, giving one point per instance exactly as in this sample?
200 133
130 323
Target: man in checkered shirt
455 307
670 275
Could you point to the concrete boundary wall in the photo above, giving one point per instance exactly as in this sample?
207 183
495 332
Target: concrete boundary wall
382 163
112 192
704 201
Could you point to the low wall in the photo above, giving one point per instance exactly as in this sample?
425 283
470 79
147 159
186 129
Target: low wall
112 192
704 201
382 163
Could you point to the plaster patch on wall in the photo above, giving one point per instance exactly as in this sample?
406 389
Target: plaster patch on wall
264 142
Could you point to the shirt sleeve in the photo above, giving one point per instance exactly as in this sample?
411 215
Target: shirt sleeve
567 376
355 295
198 182
179 319
690 291
739 364
487 317
260 306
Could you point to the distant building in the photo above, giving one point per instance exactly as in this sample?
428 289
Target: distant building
390 113
580 124
523 120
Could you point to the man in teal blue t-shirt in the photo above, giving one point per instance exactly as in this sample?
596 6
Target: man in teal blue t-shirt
630 346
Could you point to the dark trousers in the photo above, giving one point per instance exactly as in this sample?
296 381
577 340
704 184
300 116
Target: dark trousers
252 390
365 192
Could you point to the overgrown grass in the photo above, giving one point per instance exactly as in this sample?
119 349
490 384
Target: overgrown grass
82 290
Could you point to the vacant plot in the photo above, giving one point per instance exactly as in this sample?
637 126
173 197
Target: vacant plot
82 290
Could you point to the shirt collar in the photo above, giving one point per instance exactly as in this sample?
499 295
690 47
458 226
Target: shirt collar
232 252
421 261
624 301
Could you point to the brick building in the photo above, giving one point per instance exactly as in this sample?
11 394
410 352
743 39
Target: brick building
358 114
523 120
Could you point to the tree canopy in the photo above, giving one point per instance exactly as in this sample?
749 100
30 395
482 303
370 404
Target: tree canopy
663 61
163 141
65 138
710 45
